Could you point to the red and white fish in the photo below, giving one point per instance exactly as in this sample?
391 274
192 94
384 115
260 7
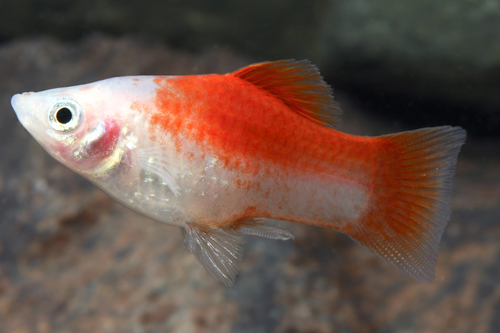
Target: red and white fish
217 155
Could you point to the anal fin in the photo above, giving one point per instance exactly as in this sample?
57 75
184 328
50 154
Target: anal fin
256 227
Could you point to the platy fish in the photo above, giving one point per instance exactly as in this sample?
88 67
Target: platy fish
220 155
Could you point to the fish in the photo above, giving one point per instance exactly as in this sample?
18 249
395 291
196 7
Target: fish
222 155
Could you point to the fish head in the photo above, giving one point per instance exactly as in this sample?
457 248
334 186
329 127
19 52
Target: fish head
75 125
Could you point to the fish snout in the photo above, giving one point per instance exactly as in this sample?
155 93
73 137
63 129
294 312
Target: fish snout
20 105
15 101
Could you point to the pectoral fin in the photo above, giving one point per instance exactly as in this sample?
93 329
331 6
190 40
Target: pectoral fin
161 162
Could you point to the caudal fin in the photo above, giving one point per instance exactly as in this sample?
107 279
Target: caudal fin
410 201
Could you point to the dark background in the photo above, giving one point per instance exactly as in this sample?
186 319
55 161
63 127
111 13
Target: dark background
71 260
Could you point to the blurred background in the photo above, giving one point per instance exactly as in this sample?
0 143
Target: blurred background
72 260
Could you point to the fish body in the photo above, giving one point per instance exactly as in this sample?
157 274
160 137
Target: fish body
217 155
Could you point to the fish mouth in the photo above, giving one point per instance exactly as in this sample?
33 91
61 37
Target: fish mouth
18 102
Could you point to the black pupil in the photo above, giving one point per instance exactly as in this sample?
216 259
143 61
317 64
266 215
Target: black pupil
64 115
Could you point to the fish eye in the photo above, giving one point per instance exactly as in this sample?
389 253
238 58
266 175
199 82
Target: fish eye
65 115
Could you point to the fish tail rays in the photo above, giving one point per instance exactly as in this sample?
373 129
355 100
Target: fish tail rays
409 208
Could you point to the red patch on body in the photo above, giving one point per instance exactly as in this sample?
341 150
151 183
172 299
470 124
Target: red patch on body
104 144
248 127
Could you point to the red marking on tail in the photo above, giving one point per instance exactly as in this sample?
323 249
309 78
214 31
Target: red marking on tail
409 208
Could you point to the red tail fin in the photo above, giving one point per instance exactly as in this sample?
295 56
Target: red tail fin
409 208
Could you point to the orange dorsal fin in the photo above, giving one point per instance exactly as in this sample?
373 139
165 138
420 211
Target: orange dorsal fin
299 85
